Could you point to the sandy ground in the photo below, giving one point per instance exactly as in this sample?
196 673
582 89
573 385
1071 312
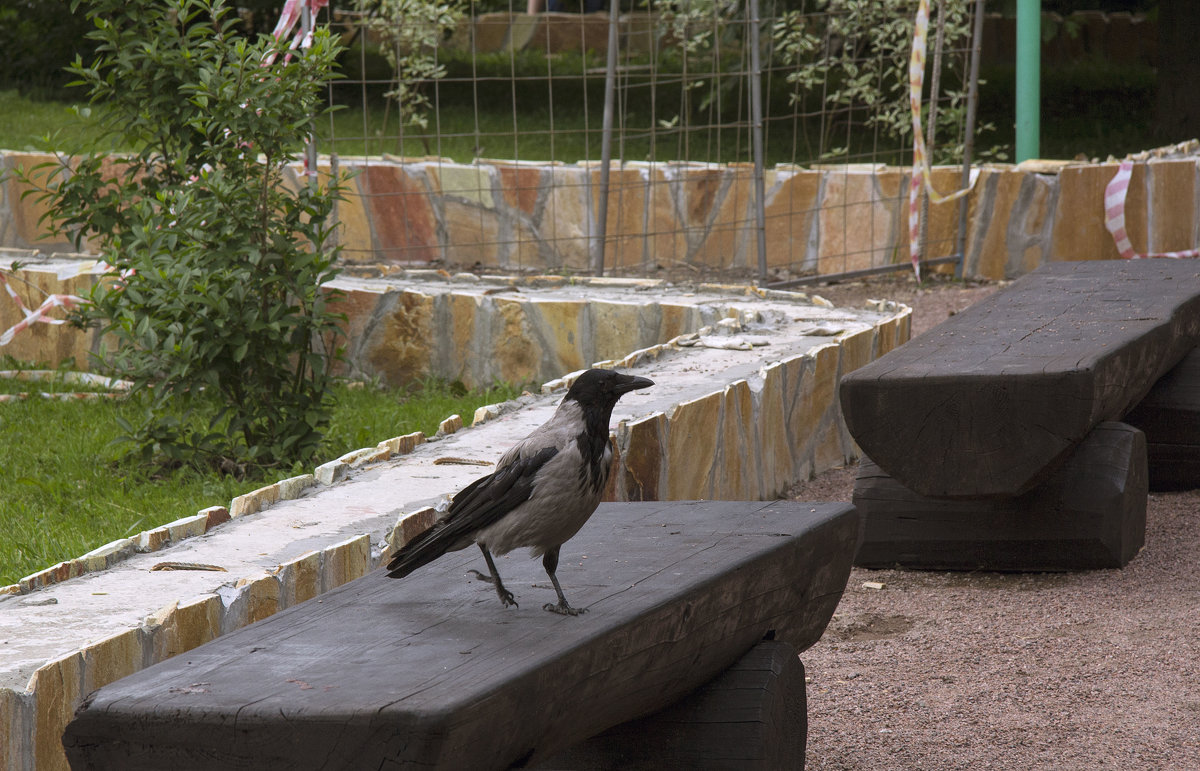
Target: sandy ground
936 670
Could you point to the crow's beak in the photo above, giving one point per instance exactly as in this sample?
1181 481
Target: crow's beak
629 383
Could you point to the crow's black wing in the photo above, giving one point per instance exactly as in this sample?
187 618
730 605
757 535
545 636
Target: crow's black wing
476 506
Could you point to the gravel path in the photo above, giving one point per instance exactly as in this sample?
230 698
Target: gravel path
936 670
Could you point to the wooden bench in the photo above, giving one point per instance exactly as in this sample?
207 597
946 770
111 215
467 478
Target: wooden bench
1090 514
432 672
1170 418
989 403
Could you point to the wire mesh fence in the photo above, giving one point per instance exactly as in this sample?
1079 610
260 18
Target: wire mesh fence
480 133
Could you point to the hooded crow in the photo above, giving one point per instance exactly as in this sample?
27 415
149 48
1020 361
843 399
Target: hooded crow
541 493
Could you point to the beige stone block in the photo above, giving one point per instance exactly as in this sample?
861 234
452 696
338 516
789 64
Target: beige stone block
293 487
643 442
450 425
333 471
345 561
811 382
409 526
1172 184
857 349
941 234
1079 232
109 554
463 310
885 336
46 342
254 501
398 202
51 575
26 212
261 594
399 348
153 540
16 727
564 227
520 185
300 579
615 329
515 358
774 445
859 218
789 214
676 320
729 239
179 628
186 527
472 233
403 445
693 430
735 476
57 688
471 183
1008 221
363 455
116 656
641 228
214 516
561 334
354 226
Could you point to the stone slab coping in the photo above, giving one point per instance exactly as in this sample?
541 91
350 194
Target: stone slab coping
361 509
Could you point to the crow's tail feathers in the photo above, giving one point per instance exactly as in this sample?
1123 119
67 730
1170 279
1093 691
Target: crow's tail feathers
418 552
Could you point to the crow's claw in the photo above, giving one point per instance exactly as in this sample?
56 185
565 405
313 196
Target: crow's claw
563 609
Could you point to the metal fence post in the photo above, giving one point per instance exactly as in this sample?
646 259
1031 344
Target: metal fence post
756 133
610 87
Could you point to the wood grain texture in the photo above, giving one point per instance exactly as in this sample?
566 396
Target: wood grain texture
1091 513
1169 416
432 672
752 717
991 401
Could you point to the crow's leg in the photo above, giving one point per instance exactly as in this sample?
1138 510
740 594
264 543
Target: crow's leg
550 563
506 597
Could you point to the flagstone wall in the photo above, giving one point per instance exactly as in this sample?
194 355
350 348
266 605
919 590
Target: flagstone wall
543 217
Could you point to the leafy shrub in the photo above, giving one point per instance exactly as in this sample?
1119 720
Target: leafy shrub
216 300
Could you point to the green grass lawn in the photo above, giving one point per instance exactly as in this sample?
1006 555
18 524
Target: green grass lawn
65 492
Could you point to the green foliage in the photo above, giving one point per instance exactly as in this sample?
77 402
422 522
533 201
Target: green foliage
411 31
219 310
850 62
66 491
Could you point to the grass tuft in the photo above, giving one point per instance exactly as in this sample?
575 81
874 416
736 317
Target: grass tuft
67 491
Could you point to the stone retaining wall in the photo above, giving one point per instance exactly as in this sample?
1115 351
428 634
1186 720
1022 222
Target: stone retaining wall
734 423
535 217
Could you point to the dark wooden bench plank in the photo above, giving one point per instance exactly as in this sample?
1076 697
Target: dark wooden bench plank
1169 416
753 717
989 402
431 671
1091 513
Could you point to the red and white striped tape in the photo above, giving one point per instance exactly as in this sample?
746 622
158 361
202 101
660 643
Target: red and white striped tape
1114 217
921 172
31 317
289 17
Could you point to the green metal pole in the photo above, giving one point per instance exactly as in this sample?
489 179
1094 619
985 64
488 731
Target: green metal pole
1029 74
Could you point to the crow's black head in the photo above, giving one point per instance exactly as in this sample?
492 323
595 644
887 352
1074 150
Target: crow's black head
603 387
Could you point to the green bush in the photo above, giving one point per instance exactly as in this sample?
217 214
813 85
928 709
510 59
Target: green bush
219 307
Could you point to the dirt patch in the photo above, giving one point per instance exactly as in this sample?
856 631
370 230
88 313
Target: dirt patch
1087 670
